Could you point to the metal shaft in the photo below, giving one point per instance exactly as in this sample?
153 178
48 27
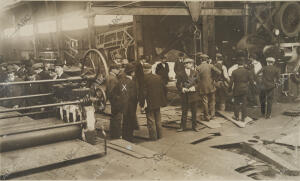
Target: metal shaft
46 127
40 106
25 97
25 114
40 81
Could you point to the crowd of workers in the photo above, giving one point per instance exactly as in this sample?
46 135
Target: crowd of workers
207 82
203 82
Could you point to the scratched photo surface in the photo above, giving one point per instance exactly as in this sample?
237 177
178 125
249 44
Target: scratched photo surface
149 90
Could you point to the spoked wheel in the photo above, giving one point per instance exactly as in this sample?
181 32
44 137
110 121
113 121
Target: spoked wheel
94 64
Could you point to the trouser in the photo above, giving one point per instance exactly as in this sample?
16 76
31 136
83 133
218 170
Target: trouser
220 99
240 102
185 107
266 96
129 123
154 123
208 101
115 126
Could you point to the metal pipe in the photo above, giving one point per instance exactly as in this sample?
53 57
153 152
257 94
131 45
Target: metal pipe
41 81
25 114
40 106
46 127
25 97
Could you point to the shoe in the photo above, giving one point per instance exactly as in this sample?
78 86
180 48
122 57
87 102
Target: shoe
235 118
268 117
195 129
180 130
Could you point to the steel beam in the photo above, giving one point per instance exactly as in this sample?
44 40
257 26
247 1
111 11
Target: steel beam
182 11
25 114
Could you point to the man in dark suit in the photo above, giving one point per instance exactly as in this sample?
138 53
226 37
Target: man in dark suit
240 81
206 87
129 101
60 74
155 96
162 69
270 75
113 92
179 65
186 85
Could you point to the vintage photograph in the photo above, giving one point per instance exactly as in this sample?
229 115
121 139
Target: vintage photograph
149 90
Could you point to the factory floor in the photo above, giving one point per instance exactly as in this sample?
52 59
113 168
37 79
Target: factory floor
193 155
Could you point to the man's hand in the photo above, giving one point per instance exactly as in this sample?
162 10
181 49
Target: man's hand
192 89
184 90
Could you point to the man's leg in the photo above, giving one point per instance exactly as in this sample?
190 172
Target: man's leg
236 107
244 107
184 111
262 98
212 104
150 114
115 124
194 114
269 95
158 123
204 102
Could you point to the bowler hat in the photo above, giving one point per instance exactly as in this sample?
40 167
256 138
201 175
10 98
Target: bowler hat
129 68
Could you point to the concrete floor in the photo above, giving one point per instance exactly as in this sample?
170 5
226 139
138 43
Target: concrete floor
183 160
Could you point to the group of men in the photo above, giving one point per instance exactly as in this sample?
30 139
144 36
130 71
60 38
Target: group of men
27 72
207 83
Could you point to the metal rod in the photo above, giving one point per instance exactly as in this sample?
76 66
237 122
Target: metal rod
40 106
25 97
25 114
46 127
40 81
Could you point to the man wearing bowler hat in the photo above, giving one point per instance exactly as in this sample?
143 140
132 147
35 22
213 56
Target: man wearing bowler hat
240 81
186 85
270 75
162 69
113 92
155 97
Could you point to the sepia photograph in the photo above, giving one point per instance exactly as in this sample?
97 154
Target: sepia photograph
149 90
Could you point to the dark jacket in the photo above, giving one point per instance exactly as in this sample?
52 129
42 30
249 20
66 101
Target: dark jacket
205 78
163 72
155 91
178 67
45 75
113 91
63 76
185 81
240 80
270 74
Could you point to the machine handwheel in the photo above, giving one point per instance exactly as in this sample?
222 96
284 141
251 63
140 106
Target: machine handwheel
98 92
94 63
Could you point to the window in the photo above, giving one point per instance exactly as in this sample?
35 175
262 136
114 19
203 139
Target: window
47 27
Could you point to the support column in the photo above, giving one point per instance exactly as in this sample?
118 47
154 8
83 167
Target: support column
246 19
91 31
138 36
35 33
59 42
208 32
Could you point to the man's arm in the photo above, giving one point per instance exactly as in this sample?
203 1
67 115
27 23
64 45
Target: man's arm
214 68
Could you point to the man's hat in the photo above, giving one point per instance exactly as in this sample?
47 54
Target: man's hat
118 56
204 56
129 68
270 59
180 54
38 65
115 66
219 55
147 66
188 60
241 53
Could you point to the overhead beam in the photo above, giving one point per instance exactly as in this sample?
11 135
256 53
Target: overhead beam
165 11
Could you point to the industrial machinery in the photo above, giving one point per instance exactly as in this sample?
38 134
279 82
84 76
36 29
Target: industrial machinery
71 105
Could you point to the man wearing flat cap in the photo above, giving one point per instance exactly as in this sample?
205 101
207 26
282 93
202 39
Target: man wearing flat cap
113 92
129 101
186 85
162 69
240 82
206 87
179 65
270 76
155 97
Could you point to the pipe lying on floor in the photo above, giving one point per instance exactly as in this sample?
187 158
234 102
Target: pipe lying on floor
35 138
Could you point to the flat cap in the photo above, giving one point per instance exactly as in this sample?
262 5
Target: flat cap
204 56
219 55
270 59
118 56
188 60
